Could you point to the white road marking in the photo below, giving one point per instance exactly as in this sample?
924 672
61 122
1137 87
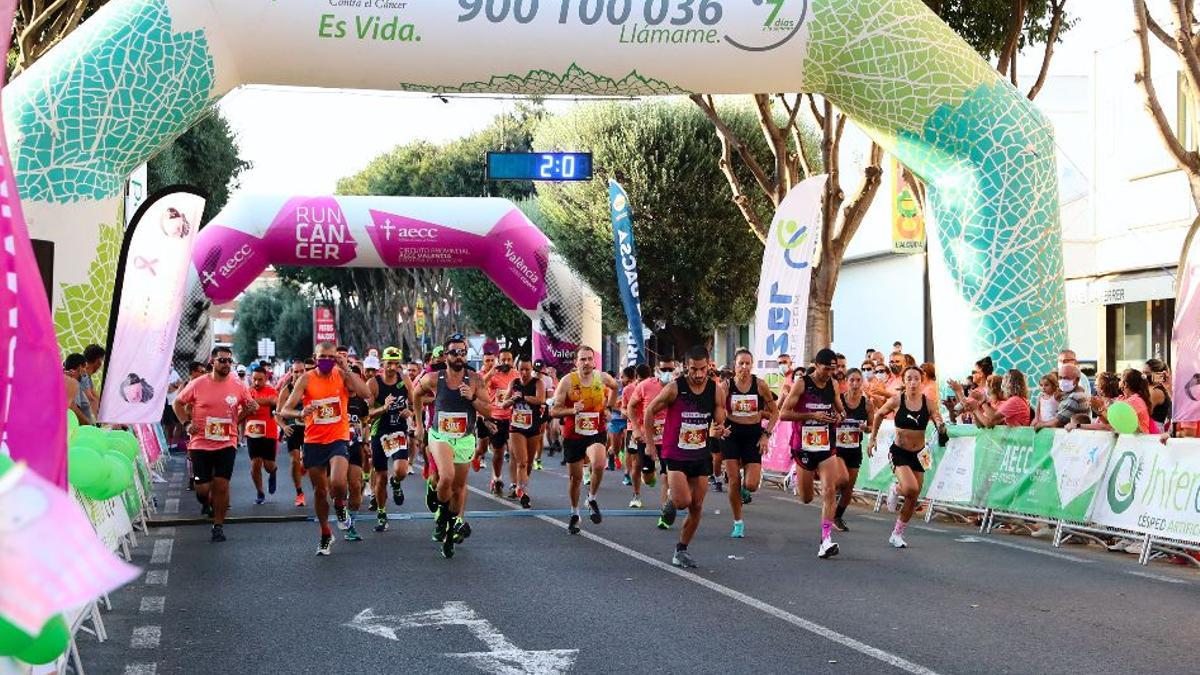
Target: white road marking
880 519
1156 577
153 604
163 531
141 669
172 506
146 637
162 551
1027 549
930 529
801 623
156 578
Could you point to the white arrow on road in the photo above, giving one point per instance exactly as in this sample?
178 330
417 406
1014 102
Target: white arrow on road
502 657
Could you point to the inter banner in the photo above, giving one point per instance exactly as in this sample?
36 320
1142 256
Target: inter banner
780 321
150 291
1152 488
627 274
1186 340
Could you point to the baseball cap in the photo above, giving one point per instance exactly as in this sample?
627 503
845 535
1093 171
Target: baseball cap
392 354
371 362
539 364
437 351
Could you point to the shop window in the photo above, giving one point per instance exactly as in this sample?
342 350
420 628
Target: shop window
1137 331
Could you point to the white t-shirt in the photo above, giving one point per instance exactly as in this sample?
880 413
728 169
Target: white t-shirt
172 380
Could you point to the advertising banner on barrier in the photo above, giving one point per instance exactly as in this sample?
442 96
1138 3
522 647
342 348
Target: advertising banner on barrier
153 273
1151 488
780 321
627 274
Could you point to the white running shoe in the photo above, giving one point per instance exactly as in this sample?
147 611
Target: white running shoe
635 503
828 549
897 541
893 496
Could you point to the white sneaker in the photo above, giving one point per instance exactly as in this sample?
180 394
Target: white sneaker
893 497
897 541
1120 544
828 549
635 503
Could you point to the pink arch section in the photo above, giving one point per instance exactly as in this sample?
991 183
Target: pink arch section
492 235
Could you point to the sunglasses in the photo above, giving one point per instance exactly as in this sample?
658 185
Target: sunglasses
224 359
456 352
881 372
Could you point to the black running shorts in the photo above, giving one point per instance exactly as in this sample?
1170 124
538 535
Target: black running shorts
210 464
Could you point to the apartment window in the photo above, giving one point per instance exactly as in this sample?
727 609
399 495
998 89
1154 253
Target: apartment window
1137 331
1187 122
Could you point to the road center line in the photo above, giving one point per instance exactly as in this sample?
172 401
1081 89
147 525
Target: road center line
803 624
1156 577
146 637
162 551
1027 549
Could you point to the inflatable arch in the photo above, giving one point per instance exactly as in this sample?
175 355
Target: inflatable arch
493 235
139 72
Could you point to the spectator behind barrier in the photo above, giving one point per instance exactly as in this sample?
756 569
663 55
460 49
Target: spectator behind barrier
1073 407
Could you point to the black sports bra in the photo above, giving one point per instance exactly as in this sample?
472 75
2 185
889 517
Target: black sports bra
915 420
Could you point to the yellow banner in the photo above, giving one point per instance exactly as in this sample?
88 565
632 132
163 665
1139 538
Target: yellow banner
908 223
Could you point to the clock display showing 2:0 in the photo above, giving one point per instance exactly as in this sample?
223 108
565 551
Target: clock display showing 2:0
549 166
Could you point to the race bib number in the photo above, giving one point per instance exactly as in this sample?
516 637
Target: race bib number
744 405
328 411
849 436
522 418
815 438
693 436
452 424
218 429
256 429
393 443
925 458
658 430
587 423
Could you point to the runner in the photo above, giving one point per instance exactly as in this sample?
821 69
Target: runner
909 453
211 407
523 400
459 396
695 405
499 382
542 418
858 415
553 425
484 427
293 432
749 403
649 438
617 427
391 436
633 457
262 433
813 403
714 447
580 401
325 393
358 410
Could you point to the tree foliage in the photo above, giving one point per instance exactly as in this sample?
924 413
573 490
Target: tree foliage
276 312
205 156
699 264
38 26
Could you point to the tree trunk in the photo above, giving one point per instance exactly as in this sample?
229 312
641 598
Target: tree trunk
819 326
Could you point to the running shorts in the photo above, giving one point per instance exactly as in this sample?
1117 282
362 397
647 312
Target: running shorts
481 429
500 438
617 426
261 448
901 457
320 454
646 459
809 461
575 449
210 464
464 447
851 456
355 454
533 431
696 468
295 442
714 446
380 459
742 443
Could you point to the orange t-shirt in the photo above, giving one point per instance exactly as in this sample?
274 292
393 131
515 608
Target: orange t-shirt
331 421
497 385
261 424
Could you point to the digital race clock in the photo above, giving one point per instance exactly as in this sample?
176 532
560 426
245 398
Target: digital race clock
559 166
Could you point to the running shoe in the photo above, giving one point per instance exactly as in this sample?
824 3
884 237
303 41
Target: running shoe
352 534
840 524
893 496
206 510
326 545
218 533
651 479
617 462
431 502
573 524
300 499
344 520
595 509
448 547
669 512
272 480
897 541
587 476
397 493
381 522
635 503
537 466
476 463
739 530
512 492
747 497
373 505
626 480
497 487
682 559
440 526
716 483
828 549
462 530
526 502
260 499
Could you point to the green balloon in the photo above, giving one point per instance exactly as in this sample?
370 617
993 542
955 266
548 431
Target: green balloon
49 644
85 466
121 476
1122 418
13 640
6 463
125 443
72 424
97 437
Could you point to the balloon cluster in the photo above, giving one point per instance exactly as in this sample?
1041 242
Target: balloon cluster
100 463
47 645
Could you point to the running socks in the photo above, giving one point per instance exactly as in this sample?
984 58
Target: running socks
841 510
901 526
826 528
680 546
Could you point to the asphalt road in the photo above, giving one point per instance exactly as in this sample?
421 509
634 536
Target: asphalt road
522 595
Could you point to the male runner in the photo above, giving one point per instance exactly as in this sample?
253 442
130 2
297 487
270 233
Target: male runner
813 403
498 383
459 396
325 393
484 427
211 407
359 459
618 427
695 405
392 391
581 400
649 438
293 431
262 433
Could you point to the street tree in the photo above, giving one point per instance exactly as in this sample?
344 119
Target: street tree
276 312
